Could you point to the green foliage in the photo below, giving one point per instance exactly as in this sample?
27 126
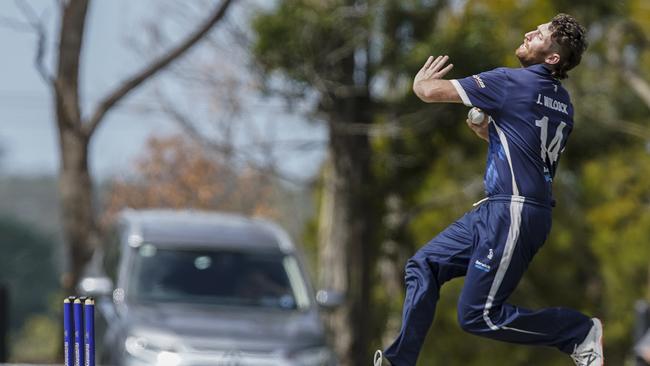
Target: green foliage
27 268
617 193
28 271
307 40
38 341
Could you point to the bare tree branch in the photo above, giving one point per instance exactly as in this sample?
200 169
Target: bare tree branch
638 84
40 56
296 145
36 25
130 84
225 150
228 151
616 41
15 24
630 74
27 10
629 128
224 82
390 129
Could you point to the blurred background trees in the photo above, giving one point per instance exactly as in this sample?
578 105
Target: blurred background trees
176 173
398 170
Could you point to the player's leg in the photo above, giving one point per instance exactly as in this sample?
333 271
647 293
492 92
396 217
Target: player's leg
513 233
443 258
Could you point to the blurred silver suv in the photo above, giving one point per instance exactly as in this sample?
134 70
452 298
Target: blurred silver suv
187 288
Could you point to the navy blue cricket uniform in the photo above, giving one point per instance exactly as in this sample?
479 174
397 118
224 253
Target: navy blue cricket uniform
531 117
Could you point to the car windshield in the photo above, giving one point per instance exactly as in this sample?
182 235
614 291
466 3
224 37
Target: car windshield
208 276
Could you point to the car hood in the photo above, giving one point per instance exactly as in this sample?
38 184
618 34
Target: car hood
206 328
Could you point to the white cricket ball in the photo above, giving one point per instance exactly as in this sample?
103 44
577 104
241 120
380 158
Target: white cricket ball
476 116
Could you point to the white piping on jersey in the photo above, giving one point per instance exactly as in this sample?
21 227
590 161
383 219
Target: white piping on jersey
518 199
512 198
480 201
461 92
504 142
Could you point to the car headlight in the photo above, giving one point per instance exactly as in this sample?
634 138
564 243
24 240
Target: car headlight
320 356
158 352
166 358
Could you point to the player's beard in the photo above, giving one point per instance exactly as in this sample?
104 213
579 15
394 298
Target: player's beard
528 56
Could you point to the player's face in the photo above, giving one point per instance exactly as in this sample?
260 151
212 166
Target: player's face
537 47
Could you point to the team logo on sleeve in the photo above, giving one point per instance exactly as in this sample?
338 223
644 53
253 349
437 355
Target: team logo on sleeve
478 80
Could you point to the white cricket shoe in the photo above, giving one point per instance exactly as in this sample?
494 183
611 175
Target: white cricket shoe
590 351
378 358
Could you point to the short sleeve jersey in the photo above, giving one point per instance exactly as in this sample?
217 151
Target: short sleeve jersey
531 117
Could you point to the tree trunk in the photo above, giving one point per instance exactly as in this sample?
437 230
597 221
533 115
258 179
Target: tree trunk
332 241
346 232
74 181
78 216
391 264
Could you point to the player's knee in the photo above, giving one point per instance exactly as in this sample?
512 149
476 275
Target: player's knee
470 318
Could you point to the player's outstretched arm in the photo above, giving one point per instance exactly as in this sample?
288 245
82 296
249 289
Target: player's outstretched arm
429 86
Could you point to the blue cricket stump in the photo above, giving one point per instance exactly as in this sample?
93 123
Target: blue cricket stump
78 332
68 332
89 336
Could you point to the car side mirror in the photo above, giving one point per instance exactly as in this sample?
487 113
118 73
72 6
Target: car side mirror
96 286
329 299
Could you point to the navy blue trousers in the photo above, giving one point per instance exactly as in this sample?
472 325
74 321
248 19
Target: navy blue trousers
492 246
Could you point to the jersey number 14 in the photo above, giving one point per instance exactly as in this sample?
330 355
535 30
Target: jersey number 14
552 150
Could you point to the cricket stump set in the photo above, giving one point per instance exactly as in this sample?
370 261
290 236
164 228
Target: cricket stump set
79 331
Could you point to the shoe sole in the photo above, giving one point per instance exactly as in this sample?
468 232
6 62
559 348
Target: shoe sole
378 359
600 339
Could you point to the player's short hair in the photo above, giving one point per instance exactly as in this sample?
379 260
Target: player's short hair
569 36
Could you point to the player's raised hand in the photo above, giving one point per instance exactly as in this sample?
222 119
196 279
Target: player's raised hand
429 84
433 69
